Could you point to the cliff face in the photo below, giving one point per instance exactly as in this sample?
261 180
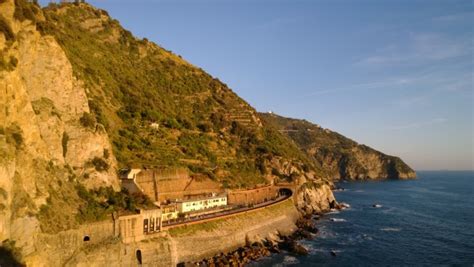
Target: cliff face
338 156
315 198
80 96
44 149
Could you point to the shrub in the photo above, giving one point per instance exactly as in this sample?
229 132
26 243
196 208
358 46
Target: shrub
87 120
13 61
172 123
103 201
14 136
24 10
100 164
6 29
99 113
8 65
205 127
106 154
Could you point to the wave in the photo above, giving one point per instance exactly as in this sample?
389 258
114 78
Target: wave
344 205
337 220
290 260
390 229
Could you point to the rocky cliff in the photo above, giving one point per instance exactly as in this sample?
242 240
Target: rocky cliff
338 156
44 148
80 96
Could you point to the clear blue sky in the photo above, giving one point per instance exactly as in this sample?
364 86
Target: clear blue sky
395 75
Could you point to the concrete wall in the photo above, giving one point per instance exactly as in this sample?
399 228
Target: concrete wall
162 185
136 227
252 196
59 247
181 244
230 233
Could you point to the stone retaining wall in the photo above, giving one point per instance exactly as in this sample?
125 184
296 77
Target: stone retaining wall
165 248
252 196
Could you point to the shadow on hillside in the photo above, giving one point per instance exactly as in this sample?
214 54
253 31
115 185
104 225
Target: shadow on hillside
7 258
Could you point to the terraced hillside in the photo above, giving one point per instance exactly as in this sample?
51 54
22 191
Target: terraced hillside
158 109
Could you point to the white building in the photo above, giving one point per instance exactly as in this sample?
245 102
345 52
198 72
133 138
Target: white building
198 204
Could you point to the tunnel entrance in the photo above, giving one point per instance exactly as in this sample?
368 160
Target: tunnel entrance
86 238
139 256
285 192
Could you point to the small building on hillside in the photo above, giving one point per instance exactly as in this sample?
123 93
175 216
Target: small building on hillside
135 227
201 203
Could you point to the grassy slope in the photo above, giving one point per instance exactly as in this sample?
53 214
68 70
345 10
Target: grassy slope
133 83
324 145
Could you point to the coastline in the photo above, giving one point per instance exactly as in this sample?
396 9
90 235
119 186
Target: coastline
253 251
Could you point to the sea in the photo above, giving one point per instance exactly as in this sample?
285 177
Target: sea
424 222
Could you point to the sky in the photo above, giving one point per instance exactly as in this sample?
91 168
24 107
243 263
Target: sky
394 75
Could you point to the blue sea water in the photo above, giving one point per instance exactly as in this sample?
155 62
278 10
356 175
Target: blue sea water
428 221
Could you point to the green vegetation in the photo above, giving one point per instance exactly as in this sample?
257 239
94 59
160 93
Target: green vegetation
25 10
338 155
88 120
73 204
133 84
100 164
8 65
6 29
98 204
14 135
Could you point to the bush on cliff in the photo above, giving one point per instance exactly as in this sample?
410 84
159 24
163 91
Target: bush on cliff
100 203
6 29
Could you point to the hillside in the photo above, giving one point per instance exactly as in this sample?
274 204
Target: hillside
81 98
161 111
340 156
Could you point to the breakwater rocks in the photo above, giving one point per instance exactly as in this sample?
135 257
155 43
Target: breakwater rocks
256 250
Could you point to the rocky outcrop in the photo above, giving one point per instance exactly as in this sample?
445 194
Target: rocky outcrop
336 156
44 147
314 197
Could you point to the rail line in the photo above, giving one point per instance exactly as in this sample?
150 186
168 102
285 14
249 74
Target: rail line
218 215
